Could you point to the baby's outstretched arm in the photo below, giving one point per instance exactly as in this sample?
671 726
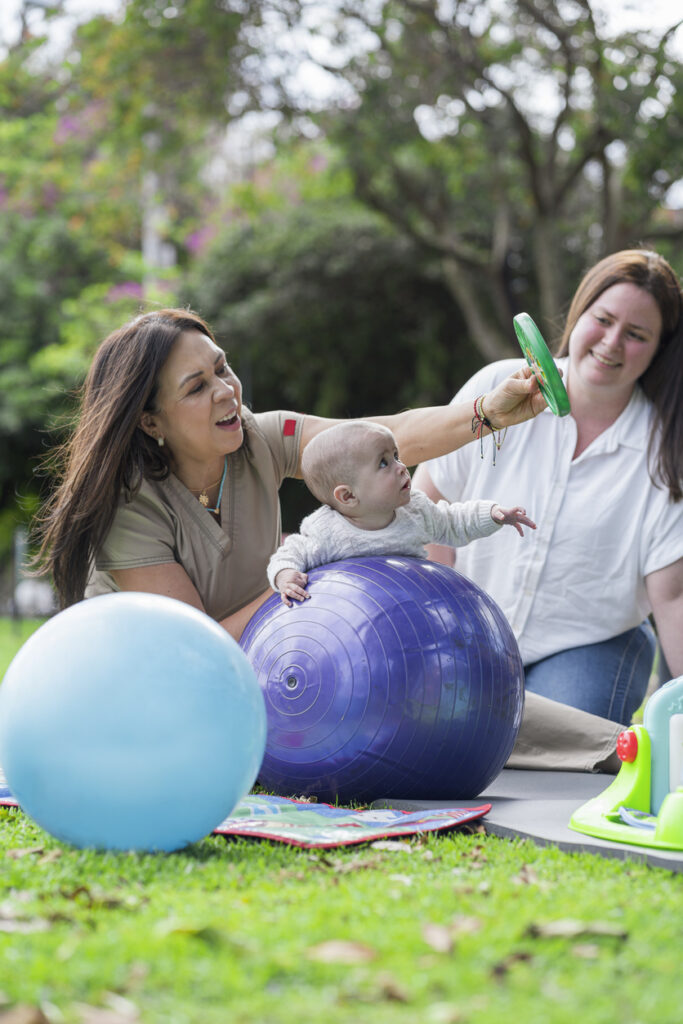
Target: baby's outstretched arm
292 584
512 517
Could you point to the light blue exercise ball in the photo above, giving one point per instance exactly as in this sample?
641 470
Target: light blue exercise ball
130 721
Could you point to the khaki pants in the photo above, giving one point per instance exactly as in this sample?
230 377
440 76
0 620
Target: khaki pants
557 737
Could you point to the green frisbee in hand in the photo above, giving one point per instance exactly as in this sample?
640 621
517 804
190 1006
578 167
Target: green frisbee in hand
537 355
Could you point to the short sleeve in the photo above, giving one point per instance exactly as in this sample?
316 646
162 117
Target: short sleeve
663 533
142 534
282 432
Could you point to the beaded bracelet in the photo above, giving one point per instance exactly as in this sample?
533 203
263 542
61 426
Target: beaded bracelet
479 421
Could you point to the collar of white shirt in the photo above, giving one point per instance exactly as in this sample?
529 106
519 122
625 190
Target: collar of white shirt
630 429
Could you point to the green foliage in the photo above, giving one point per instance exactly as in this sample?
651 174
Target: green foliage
518 141
93 142
337 314
427 202
168 70
52 252
47 263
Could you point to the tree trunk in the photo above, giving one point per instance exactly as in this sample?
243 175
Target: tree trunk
487 336
546 264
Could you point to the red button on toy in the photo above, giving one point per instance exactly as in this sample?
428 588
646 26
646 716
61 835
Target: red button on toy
627 746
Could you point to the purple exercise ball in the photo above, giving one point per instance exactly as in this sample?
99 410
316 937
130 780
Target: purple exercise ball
398 677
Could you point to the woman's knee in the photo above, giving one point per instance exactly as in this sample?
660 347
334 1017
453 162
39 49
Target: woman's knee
608 679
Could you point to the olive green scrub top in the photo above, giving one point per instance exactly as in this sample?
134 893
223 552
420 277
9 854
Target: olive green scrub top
227 562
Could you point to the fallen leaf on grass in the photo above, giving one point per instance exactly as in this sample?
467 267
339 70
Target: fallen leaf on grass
72 894
392 846
464 925
50 857
527 876
341 951
570 928
472 828
439 937
96 897
287 875
23 1014
23 925
12 920
204 932
401 880
342 865
99 1015
8 909
360 986
500 969
21 895
121 1005
477 857
388 988
444 1013
586 950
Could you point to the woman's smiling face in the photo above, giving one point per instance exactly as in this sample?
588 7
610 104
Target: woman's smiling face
199 402
614 340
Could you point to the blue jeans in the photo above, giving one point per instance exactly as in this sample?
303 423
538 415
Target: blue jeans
607 679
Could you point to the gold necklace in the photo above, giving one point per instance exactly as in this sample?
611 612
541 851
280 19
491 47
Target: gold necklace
203 496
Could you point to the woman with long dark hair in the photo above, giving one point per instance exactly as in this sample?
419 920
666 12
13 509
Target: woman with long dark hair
169 483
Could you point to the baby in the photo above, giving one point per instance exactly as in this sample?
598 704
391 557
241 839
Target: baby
368 509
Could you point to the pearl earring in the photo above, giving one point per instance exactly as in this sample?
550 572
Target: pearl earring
160 441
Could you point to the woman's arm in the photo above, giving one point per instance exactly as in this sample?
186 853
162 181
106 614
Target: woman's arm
423 434
171 580
665 591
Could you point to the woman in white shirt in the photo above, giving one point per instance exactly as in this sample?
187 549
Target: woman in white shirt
605 487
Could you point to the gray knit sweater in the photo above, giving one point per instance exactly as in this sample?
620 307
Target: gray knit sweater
327 536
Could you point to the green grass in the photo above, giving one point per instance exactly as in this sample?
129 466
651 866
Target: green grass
228 931
13 632
451 928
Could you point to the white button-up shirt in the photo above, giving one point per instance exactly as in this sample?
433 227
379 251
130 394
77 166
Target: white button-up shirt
602 525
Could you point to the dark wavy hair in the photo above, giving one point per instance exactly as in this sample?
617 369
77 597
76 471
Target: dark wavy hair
662 382
108 453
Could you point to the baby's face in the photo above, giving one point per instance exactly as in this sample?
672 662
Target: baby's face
382 482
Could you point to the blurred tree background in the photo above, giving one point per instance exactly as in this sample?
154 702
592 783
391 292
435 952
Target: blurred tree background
357 194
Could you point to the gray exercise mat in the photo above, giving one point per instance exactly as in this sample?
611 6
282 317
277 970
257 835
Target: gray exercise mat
537 805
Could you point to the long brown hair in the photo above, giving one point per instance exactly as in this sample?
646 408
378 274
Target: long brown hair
108 453
662 382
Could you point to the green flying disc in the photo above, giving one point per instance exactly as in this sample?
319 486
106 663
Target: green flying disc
537 355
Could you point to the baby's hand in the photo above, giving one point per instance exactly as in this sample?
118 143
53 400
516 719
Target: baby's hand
512 517
292 584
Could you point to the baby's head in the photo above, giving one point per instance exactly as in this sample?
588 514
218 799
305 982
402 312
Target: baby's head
354 467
